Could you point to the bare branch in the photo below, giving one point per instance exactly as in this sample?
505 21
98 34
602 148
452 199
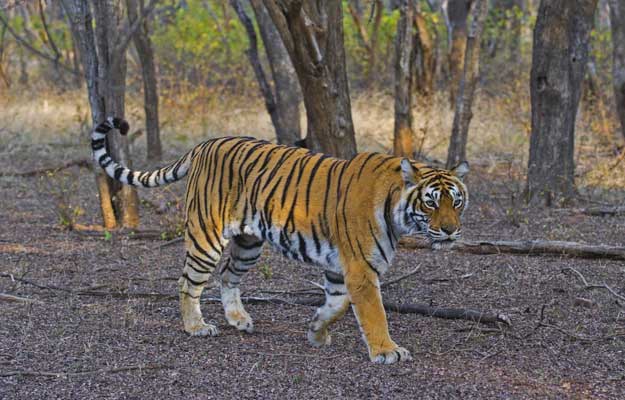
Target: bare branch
125 37
55 49
9 298
28 46
64 374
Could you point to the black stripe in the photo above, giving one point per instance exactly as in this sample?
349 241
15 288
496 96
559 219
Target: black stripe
334 278
377 243
184 275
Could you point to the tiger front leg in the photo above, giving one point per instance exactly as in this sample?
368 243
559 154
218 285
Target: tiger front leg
364 291
333 309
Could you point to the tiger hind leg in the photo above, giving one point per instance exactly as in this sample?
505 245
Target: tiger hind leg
335 306
244 254
198 268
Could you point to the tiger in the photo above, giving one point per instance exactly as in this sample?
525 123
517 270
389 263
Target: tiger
345 216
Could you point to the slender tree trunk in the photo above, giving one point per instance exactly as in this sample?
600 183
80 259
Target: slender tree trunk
312 33
81 24
288 95
457 151
403 137
617 22
143 44
458 10
560 54
425 44
112 71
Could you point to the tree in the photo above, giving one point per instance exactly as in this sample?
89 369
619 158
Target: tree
458 11
617 22
403 134
103 55
559 57
368 41
282 103
457 151
143 44
312 33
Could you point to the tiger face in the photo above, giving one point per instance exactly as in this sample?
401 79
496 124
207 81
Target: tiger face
433 200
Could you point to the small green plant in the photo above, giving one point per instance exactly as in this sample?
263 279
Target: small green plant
266 271
108 235
57 190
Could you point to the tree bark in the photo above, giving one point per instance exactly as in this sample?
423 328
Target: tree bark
79 15
143 44
403 133
312 33
560 54
457 151
617 22
287 91
457 10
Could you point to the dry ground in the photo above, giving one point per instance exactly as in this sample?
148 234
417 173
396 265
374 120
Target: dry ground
115 345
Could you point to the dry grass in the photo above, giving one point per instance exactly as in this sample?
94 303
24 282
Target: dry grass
499 129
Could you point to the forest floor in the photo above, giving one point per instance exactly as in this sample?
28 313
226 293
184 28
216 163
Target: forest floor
92 332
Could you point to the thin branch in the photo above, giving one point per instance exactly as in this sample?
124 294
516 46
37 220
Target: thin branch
589 286
83 163
28 46
64 374
401 278
9 298
55 49
129 32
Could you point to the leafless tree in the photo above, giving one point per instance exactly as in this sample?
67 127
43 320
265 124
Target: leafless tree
617 22
559 58
457 151
143 44
458 11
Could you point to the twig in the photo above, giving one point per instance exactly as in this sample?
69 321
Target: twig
589 286
16 299
89 372
83 163
170 242
258 353
401 278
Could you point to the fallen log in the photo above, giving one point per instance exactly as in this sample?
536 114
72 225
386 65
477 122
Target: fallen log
529 247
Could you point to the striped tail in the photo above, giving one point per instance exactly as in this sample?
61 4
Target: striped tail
171 173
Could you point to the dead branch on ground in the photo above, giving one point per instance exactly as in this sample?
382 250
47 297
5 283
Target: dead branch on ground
8 298
589 286
81 373
530 247
82 163
597 211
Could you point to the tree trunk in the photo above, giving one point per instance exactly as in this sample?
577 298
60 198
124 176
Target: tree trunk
560 54
617 21
79 15
403 134
312 33
143 44
286 87
458 10
457 151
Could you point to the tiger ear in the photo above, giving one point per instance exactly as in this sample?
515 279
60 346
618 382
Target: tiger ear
460 170
408 173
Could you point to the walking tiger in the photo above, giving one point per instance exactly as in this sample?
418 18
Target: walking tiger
345 216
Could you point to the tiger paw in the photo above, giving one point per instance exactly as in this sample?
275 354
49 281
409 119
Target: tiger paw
202 329
393 356
241 320
319 338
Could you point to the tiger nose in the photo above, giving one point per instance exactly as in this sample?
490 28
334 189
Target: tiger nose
449 229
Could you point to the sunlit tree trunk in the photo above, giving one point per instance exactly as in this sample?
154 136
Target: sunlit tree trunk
403 137
457 10
457 151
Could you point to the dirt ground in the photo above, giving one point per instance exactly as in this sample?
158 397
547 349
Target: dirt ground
91 327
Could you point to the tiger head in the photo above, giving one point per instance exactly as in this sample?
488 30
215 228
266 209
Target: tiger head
433 200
